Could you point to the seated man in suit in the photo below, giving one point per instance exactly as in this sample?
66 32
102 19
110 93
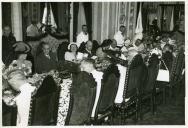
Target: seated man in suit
88 49
19 83
45 61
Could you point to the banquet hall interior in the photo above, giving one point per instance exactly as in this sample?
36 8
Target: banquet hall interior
93 63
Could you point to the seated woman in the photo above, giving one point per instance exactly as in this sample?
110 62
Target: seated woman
102 61
22 63
71 54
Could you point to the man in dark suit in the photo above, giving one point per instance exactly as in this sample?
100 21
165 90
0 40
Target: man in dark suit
46 61
8 40
88 49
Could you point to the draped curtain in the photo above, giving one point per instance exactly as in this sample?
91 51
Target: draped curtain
88 16
6 14
30 11
168 14
87 12
75 19
63 16
108 16
81 17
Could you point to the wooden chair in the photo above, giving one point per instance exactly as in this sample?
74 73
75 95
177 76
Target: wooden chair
169 89
9 115
61 50
83 93
109 88
176 77
164 87
71 67
148 91
135 78
44 104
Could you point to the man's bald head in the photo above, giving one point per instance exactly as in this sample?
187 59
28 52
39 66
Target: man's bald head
131 54
6 30
89 45
87 65
16 78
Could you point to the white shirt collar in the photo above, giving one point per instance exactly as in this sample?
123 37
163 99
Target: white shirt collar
82 33
120 33
97 74
26 87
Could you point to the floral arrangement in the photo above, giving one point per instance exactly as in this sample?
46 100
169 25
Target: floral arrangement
25 68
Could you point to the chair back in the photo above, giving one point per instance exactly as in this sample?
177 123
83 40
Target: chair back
83 93
48 86
63 47
69 66
168 60
9 115
44 105
109 88
177 67
137 73
153 69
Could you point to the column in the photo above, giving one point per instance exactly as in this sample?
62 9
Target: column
94 20
71 22
16 18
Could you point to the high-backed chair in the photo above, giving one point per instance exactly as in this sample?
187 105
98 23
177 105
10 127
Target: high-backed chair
148 91
165 88
83 93
135 78
69 66
109 88
177 75
61 50
44 104
9 115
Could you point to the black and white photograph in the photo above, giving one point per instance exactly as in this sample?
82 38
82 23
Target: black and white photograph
83 63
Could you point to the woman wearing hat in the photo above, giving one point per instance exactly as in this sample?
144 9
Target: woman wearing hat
21 51
71 54
22 63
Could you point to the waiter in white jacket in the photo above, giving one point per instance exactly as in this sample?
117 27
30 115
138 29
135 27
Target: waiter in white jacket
120 36
83 36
